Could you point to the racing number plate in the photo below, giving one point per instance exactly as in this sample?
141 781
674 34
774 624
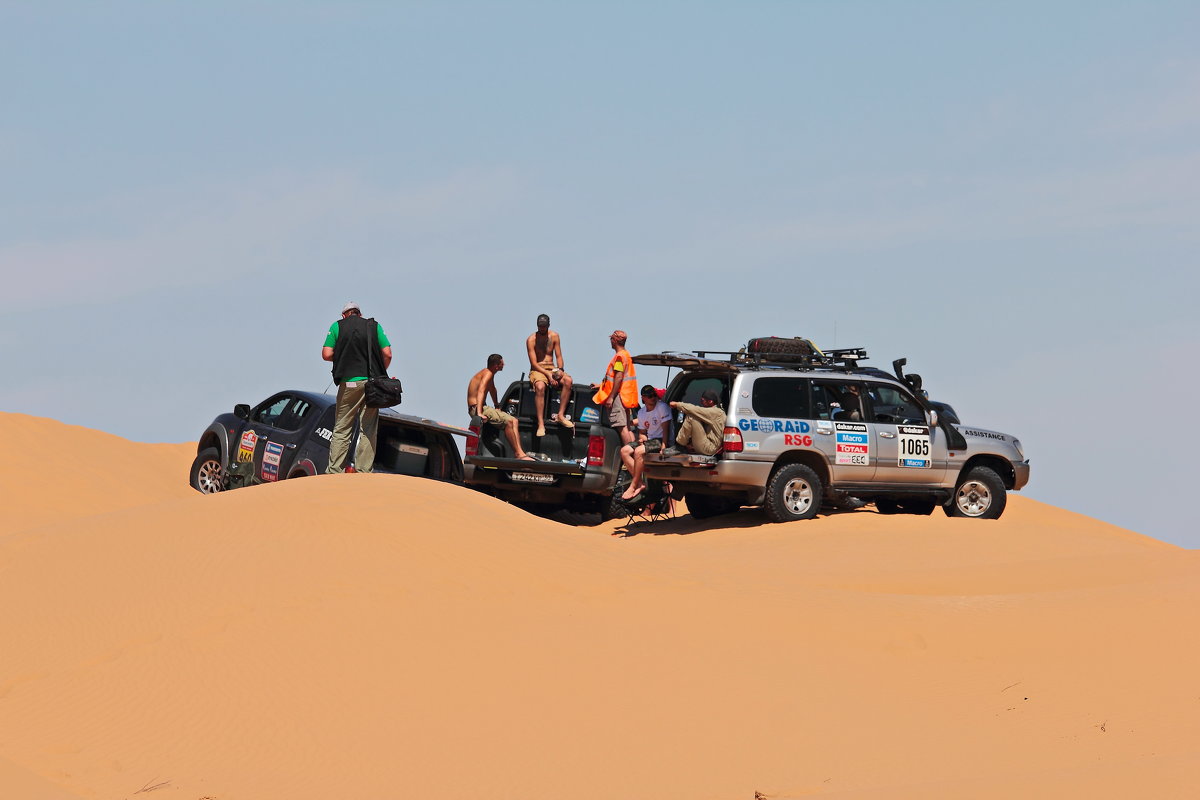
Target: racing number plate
914 446
531 477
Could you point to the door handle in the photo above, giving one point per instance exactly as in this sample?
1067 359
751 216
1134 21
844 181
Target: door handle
822 430
290 446
887 434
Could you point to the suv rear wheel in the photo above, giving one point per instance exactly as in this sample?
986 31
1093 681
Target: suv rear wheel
794 492
208 476
979 495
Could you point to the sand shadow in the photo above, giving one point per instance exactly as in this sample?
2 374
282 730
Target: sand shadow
686 525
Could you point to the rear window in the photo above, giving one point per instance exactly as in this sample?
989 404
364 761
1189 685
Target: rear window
692 387
781 397
524 399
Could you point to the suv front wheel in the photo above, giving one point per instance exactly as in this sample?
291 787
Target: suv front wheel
979 495
794 492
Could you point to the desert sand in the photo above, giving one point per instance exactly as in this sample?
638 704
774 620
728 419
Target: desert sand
372 636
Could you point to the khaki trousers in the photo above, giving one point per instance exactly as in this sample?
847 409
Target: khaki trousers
351 404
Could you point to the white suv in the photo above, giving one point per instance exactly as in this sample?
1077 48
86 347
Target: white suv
803 431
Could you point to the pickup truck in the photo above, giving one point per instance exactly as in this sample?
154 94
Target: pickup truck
577 469
287 436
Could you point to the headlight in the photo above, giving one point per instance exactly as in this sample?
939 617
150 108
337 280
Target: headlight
1020 450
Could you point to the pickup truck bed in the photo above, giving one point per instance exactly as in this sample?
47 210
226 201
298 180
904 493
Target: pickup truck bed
576 469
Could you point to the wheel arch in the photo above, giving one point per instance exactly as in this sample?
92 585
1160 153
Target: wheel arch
809 458
303 469
214 436
996 464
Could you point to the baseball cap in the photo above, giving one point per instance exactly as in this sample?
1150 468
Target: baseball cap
351 306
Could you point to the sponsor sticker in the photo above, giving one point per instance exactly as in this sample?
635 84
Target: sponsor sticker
324 433
589 415
774 425
914 444
853 444
270 465
245 453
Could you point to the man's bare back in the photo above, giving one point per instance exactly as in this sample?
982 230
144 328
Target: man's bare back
478 389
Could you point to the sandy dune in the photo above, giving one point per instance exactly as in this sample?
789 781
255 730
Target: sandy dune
381 637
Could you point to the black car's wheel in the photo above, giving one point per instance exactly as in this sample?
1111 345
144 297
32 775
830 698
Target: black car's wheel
208 475
794 492
703 506
612 507
980 494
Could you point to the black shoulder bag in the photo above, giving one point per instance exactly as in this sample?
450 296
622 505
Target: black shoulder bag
382 391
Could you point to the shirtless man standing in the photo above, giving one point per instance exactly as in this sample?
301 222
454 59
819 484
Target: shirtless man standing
481 386
545 350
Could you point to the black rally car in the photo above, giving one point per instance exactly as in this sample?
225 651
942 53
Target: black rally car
288 434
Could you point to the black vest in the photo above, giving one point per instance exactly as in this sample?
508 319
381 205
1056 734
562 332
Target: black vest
350 352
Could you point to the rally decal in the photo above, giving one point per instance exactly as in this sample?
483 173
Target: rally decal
795 432
245 452
853 444
985 434
774 425
324 433
914 446
270 464
589 415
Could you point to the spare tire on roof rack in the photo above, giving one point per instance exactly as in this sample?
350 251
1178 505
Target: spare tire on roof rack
779 348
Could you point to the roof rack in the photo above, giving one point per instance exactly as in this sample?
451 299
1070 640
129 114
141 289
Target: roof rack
846 358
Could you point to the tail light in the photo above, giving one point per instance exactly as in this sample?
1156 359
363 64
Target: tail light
733 440
595 451
473 441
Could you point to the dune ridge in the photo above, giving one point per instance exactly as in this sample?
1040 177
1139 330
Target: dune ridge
379 636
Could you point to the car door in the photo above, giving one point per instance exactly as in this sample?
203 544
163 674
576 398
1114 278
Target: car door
275 425
841 431
909 450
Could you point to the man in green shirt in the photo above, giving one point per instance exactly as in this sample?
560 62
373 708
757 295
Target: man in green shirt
358 349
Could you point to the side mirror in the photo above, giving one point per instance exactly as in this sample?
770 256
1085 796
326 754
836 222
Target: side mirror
241 411
933 418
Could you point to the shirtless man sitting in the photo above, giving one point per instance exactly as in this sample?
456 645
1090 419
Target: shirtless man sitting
545 351
483 384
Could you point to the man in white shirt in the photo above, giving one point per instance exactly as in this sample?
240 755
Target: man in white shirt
652 424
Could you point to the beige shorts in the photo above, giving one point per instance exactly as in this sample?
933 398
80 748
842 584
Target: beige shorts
618 415
496 417
538 377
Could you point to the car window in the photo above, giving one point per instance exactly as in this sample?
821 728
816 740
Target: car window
527 408
270 411
782 397
892 404
694 387
837 400
293 418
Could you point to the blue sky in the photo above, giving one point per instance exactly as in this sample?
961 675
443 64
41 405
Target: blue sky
1006 195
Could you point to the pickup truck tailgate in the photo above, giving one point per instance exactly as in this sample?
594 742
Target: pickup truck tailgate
522 471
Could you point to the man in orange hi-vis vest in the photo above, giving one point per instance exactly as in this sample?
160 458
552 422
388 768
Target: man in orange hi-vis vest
619 392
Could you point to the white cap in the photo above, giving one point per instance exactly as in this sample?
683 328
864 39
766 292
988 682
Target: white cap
351 306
